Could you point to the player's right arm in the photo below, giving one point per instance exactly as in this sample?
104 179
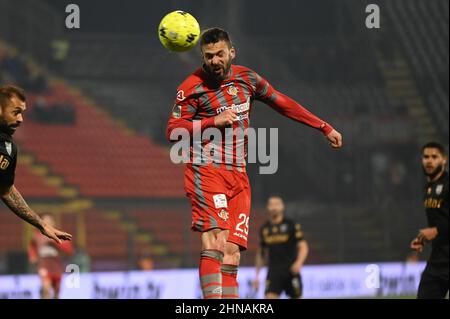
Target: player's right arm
302 249
15 202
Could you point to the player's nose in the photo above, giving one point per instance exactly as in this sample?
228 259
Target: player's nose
215 60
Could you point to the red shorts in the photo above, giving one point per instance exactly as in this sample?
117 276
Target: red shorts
53 277
221 199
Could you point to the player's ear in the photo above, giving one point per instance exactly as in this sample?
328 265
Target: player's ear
232 53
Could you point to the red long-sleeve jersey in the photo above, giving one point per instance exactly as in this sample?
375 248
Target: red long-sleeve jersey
199 100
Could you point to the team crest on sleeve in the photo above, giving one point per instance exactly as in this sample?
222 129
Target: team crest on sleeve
439 189
176 111
180 96
8 147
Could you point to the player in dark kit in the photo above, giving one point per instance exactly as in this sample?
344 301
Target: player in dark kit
283 244
219 96
434 281
12 107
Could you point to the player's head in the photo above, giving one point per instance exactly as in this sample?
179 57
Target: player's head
48 219
12 106
217 53
275 206
434 159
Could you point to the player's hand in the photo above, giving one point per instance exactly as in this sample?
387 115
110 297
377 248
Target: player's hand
255 284
417 245
225 118
55 234
295 268
427 234
335 139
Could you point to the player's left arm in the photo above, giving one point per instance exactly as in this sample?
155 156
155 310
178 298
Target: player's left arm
302 250
293 110
15 202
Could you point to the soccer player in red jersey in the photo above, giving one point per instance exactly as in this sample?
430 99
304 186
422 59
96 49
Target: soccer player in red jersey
46 254
219 95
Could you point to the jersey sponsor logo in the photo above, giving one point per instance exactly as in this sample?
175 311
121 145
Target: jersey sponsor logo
276 239
176 111
180 96
433 203
239 108
4 162
439 189
224 215
283 228
220 201
8 146
47 251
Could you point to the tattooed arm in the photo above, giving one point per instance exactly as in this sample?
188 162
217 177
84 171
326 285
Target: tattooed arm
14 200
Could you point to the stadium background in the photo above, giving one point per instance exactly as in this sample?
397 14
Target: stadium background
93 152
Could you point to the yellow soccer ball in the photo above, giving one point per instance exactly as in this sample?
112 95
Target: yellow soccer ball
179 31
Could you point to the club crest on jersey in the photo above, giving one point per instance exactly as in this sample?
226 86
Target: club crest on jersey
232 90
8 146
224 215
439 189
180 95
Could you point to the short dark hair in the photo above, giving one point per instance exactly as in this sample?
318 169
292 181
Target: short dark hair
275 196
435 145
8 92
214 35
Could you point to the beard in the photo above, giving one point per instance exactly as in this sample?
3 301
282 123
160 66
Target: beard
7 128
211 70
435 172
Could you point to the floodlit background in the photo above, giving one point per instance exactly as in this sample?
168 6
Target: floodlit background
93 151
